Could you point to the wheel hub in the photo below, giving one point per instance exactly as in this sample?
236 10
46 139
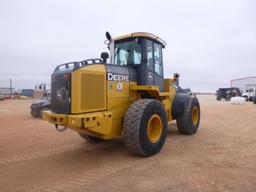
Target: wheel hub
154 128
195 115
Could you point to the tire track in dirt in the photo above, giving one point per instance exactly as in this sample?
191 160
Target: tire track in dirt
75 183
13 128
38 154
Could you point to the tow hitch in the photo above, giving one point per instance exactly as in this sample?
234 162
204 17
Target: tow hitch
62 129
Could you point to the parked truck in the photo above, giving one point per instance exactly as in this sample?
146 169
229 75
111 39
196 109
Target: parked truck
249 94
254 99
227 93
40 105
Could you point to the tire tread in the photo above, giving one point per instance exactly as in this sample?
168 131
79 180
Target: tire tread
131 125
184 122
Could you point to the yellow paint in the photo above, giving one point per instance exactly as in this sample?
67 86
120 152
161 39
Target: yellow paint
98 106
154 128
98 122
88 89
168 85
54 118
195 115
141 34
118 102
165 97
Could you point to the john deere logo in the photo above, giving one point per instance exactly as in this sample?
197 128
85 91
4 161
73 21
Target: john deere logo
150 76
117 77
60 94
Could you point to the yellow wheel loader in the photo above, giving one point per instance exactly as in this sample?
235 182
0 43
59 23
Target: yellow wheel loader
126 97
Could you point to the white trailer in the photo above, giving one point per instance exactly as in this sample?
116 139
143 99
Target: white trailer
247 85
244 83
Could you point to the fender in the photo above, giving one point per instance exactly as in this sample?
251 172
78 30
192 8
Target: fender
178 105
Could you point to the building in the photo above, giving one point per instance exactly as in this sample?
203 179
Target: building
27 92
244 83
6 91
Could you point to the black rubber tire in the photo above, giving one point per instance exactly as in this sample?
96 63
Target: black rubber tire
245 98
254 99
228 97
135 127
34 113
40 115
184 122
218 98
90 138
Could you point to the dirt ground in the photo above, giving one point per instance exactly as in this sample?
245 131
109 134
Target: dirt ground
220 157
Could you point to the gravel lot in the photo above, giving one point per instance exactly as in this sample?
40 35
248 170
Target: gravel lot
220 157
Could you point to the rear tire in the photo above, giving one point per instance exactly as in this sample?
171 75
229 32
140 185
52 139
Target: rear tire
189 122
245 98
90 138
145 127
228 97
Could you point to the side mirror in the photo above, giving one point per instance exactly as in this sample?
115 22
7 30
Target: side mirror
176 78
108 36
176 75
104 56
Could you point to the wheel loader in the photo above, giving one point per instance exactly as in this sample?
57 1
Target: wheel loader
126 97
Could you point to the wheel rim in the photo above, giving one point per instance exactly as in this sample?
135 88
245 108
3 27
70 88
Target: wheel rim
154 128
195 115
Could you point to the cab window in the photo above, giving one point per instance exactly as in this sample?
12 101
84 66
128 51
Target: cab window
128 52
150 59
158 59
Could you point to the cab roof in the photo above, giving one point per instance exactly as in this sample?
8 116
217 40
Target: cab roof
142 34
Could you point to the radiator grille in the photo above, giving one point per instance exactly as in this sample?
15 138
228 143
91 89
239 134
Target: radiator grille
60 92
93 92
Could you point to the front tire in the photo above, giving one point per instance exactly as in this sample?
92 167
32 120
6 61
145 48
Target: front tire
34 113
254 99
245 98
189 122
145 127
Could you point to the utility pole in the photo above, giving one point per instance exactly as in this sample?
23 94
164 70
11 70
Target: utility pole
11 86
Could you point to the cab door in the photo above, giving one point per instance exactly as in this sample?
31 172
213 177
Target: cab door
154 64
158 66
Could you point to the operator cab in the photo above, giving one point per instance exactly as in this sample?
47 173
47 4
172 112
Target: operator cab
143 51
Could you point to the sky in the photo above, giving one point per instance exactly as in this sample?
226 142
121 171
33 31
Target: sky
209 42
